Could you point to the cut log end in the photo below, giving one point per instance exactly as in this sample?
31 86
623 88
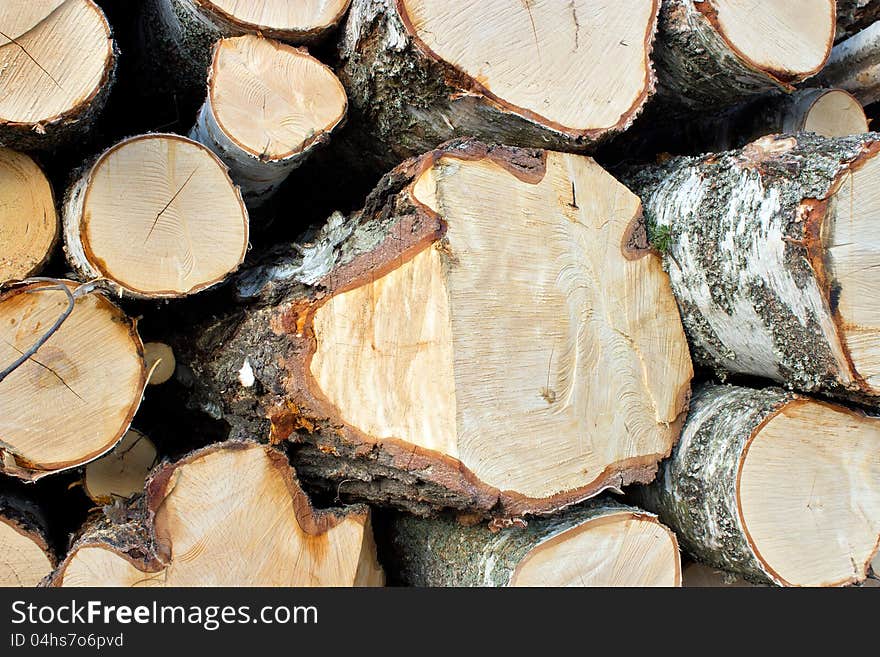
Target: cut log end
159 216
239 506
121 473
835 113
851 257
28 221
281 19
24 557
790 41
808 493
599 53
56 56
74 398
646 554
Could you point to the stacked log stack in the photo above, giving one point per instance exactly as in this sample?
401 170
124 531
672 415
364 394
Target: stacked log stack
610 302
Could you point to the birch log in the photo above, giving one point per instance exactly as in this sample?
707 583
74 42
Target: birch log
854 65
183 32
25 555
28 220
449 345
57 60
193 528
269 106
74 397
713 53
773 486
549 75
773 255
601 544
120 473
158 216
854 16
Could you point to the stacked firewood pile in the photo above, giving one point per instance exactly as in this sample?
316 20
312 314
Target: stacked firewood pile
334 292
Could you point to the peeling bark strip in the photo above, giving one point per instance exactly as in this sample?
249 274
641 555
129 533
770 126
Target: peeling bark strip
712 53
854 16
773 486
74 397
773 255
269 106
184 32
58 61
158 216
566 75
601 544
854 65
25 555
266 534
448 346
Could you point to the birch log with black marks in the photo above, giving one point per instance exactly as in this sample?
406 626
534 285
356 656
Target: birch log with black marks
774 258
183 32
774 486
120 473
855 15
158 216
448 345
549 75
25 555
713 53
232 514
269 105
601 544
58 63
854 65
72 379
28 220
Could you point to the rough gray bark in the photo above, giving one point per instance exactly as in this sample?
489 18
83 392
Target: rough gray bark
697 68
446 552
854 65
403 102
855 15
695 492
740 234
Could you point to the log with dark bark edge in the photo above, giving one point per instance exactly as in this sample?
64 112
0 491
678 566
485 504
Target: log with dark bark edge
774 486
854 16
713 53
773 255
854 65
445 347
158 216
196 526
603 543
269 105
183 32
120 473
25 555
699 575
28 220
552 75
74 397
58 61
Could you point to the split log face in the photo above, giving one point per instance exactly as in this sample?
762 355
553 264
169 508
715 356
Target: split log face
158 216
268 106
719 52
797 304
259 525
57 59
552 75
773 486
471 329
121 473
604 544
25 557
75 397
28 221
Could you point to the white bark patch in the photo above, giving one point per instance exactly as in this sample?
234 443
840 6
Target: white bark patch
246 374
